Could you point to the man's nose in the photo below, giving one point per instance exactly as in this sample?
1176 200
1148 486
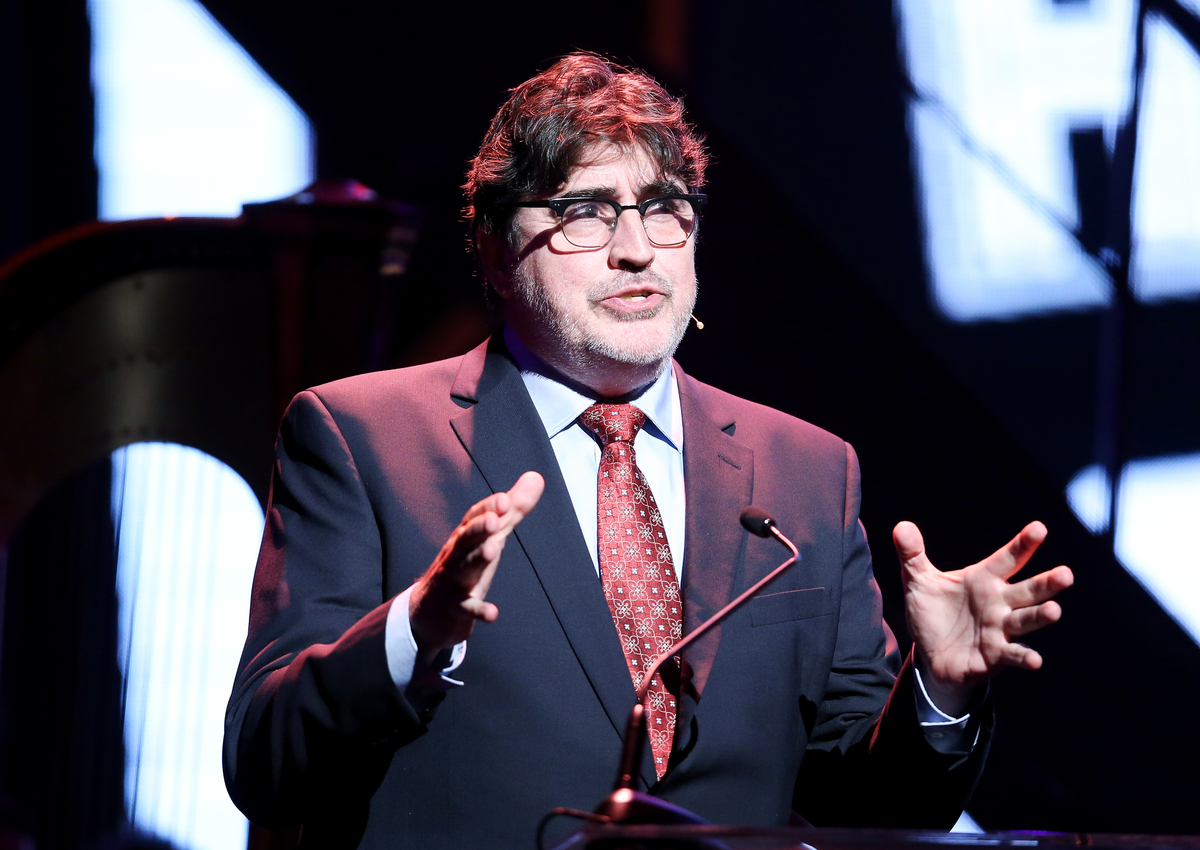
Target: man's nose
630 247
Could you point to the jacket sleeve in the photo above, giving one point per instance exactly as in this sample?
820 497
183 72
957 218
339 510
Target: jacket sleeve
868 763
314 717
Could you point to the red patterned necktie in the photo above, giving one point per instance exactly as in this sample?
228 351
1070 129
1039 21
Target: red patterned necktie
636 568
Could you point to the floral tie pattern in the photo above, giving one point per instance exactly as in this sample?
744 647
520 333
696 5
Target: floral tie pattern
636 567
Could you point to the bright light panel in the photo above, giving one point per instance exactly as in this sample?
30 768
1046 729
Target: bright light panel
1158 503
1166 259
190 529
1004 82
966 824
186 122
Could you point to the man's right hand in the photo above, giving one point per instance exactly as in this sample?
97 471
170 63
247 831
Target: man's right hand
450 597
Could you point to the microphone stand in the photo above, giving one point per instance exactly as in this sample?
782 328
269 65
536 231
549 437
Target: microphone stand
626 804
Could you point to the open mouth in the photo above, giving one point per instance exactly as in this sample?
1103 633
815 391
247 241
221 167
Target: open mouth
635 297
639 300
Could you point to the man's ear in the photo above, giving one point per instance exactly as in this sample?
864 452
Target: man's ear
496 258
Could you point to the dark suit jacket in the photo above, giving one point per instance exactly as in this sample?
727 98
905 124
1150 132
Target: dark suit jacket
783 704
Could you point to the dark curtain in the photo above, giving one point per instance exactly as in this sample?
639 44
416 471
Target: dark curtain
61 752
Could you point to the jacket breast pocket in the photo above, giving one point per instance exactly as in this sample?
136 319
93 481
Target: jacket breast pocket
790 605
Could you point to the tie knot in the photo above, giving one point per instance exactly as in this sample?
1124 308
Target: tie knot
611 422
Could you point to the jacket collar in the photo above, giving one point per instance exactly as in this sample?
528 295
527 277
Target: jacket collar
719 474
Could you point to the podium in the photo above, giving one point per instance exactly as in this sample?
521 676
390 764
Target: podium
644 837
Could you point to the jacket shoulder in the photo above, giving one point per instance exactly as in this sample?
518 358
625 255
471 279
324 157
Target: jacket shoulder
753 423
394 393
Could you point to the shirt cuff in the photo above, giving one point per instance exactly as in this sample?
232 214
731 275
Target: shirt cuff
948 735
401 649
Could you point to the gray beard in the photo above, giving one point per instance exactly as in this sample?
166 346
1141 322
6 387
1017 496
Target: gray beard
585 352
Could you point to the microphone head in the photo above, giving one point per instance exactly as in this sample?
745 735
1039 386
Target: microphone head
757 521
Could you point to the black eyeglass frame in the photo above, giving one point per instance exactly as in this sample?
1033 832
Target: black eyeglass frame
559 205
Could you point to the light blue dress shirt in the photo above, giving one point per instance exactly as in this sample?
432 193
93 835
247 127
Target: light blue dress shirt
658 446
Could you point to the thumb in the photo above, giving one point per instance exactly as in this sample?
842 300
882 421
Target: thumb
910 548
526 492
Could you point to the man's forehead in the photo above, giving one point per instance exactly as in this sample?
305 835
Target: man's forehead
608 166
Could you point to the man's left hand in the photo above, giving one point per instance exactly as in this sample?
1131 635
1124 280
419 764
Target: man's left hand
963 622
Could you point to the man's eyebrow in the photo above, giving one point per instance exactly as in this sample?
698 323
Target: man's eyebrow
663 186
589 192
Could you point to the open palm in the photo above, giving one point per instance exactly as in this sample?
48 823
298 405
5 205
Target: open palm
964 622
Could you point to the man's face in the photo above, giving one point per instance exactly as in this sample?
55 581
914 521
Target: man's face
607 317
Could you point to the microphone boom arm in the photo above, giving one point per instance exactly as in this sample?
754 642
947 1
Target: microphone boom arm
634 731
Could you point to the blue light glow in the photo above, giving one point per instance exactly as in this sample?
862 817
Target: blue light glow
186 122
1159 501
966 824
190 528
1166 211
1000 85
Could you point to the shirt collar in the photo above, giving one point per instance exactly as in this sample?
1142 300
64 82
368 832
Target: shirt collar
560 405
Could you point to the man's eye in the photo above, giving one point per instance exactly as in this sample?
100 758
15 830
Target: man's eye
668 206
585 210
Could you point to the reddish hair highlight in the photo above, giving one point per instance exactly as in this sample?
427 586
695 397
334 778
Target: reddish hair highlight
544 128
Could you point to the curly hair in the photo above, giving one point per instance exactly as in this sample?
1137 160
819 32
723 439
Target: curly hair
548 122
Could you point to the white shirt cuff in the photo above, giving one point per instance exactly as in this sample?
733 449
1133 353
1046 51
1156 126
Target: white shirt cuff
946 734
401 649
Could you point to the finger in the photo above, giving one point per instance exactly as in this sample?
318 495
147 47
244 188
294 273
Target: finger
469 536
910 548
523 497
513 505
469 558
490 553
1019 655
517 503
479 609
1028 620
482 561
1039 588
1013 555
497 503
472 547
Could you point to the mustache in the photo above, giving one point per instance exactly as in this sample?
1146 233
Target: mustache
626 280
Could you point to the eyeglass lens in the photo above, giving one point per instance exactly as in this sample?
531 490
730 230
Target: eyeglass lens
591 224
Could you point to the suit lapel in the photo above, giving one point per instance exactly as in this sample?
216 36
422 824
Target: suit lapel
505 437
500 429
719 474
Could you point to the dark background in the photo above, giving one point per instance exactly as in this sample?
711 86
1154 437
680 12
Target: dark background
814 295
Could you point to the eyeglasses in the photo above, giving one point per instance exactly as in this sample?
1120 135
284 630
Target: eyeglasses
591 222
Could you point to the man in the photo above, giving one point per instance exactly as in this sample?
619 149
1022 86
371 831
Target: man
599 490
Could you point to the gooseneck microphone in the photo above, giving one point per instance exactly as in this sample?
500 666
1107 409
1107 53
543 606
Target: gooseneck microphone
757 521
625 804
